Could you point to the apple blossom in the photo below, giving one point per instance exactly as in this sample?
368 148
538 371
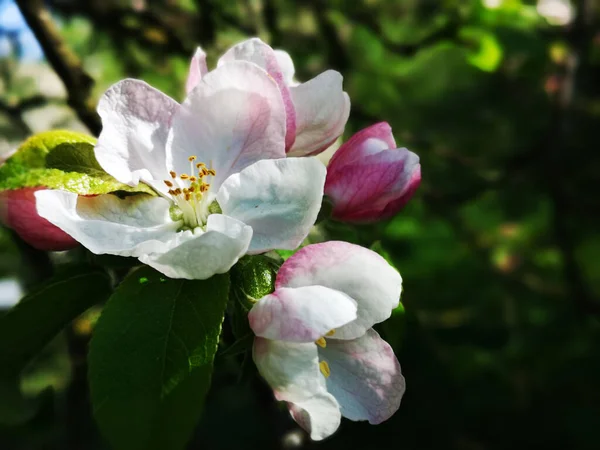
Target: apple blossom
368 178
314 343
316 111
18 211
217 163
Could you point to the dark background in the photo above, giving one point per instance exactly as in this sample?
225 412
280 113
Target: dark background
500 339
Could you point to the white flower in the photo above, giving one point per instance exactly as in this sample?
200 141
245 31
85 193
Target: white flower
315 345
316 111
217 162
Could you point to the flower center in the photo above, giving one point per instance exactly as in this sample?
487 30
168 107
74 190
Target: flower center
188 193
324 368
321 342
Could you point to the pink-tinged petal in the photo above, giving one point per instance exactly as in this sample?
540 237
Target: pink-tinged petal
197 70
319 415
18 211
108 224
367 141
365 377
256 51
287 67
135 123
233 118
279 198
301 314
201 256
360 273
290 368
374 185
322 110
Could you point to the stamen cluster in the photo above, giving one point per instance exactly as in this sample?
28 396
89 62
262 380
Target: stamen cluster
188 191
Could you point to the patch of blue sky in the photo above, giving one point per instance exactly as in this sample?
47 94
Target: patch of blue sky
15 32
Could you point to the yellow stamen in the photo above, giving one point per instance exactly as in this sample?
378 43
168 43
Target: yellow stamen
184 176
321 342
199 165
168 183
212 172
330 333
173 174
324 368
193 179
192 158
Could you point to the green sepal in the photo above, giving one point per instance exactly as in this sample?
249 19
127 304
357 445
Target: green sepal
252 278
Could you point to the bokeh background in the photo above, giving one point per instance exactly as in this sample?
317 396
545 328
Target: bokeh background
499 338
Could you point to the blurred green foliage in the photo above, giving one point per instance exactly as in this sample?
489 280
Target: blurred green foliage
498 250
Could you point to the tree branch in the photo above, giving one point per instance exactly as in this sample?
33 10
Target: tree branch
64 62
579 38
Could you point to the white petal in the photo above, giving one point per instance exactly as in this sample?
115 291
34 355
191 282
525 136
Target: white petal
322 110
197 70
200 256
359 273
365 377
290 368
319 415
279 199
233 118
286 65
301 314
292 371
108 224
135 122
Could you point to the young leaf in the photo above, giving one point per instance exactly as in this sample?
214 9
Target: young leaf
63 160
151 358
35 320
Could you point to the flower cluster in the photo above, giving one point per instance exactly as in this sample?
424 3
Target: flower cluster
230 171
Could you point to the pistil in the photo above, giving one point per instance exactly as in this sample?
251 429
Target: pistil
187 192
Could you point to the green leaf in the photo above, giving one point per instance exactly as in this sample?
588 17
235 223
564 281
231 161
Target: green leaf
60 160
28 327
488 54
15 408
151 358
36 319
32 153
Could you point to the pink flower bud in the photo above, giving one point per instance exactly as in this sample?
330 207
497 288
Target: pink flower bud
369 179
18 211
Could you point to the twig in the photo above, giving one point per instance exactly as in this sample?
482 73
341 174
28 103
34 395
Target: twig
336 52
15 111
64 62
15 116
